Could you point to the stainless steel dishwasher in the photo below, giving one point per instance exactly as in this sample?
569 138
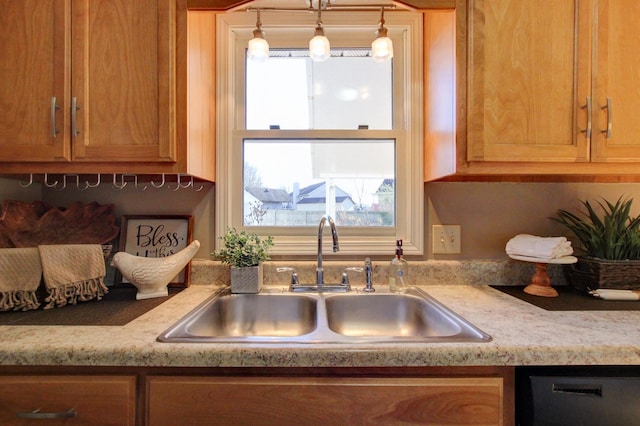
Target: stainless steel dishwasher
568 396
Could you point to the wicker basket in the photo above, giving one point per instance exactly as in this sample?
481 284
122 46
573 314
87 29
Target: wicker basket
591 273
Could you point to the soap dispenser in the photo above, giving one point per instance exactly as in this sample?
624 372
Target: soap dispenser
398 269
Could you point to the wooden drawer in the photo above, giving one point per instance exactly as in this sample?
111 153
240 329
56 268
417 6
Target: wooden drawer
324 400
95 400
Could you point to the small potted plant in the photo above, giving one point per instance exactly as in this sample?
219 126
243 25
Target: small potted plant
244 252
611 245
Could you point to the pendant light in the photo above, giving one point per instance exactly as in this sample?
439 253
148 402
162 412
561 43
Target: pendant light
258 49
319 47
382 46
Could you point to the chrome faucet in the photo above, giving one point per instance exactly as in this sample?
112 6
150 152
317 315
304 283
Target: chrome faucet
336 247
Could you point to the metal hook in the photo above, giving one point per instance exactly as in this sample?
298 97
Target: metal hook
160 185
46 182
135 177
93 185
28 184
117 185
198 189
179 183
64 182
120 185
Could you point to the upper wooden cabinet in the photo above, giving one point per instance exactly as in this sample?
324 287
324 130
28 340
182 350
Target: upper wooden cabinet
122 80
528 74
34 80
99 86
616 87
550 88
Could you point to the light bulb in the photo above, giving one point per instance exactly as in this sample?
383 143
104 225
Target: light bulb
382 46
382 49
258 49
319 47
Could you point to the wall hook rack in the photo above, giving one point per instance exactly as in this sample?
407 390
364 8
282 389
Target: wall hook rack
119 181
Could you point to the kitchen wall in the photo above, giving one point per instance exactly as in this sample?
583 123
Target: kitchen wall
489 213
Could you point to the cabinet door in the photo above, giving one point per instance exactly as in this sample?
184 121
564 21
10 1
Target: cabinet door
617 89
67 400
34 72
123 80
323 401
528 76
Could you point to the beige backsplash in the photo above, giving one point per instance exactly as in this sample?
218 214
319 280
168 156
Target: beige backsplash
431 272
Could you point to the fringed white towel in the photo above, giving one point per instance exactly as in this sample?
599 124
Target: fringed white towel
539 247
20 274
72 273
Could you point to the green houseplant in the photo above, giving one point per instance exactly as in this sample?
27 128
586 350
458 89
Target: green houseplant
609 236
244 252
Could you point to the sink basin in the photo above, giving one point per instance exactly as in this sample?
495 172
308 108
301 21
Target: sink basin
274 316
243 316
393 315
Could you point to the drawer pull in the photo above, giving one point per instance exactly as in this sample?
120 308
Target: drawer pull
37 414
608 106
587 106
74 111
54 108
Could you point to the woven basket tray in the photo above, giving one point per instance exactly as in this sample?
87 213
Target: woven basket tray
591 273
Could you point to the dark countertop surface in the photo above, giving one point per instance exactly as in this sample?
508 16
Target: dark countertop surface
118 307
570 299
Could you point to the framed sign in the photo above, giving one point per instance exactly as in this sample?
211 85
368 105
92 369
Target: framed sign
157 236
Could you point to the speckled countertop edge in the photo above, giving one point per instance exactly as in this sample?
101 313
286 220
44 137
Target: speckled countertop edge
522 335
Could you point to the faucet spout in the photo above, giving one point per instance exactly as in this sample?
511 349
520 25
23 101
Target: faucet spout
336 246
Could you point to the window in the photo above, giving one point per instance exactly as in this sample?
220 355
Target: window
298 139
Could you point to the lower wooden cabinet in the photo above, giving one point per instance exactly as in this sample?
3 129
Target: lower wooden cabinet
174 400
176 396
68 400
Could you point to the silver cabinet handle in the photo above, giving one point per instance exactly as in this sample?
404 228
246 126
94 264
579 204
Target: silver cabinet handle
74 109
54 108
587 106
608 107
37 414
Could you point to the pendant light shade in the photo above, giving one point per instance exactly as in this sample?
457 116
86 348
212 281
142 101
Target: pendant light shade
258 48
382 46
319 47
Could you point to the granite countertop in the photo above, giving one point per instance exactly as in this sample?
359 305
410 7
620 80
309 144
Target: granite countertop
522 335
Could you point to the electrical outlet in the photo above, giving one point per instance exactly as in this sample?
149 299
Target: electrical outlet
445 239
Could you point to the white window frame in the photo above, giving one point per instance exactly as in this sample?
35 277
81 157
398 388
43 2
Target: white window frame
233 30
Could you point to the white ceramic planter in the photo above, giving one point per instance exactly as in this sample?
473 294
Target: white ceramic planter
246 280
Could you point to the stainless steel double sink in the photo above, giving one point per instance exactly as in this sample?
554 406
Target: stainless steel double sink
275 316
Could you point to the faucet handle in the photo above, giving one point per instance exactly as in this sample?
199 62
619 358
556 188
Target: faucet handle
345 275
294 275
368 270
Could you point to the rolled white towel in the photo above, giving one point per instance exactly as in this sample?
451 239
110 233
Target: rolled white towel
539 247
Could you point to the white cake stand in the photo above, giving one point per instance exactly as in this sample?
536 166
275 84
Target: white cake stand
540 281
